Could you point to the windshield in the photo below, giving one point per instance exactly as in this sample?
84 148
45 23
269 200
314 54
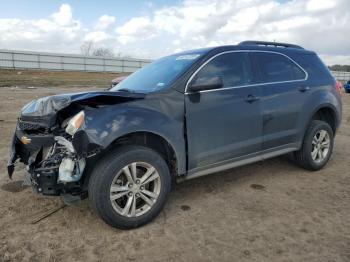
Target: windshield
157 75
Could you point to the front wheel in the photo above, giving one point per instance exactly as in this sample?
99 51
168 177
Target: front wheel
317 146
130 186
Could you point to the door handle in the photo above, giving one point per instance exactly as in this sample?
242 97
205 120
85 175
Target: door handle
303 88
251 98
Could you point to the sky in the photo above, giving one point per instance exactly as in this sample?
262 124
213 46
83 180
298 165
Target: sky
152 29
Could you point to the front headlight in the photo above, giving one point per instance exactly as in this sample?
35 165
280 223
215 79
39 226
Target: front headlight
75 123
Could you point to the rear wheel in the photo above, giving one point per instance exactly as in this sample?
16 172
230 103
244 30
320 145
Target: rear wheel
317 146
129 187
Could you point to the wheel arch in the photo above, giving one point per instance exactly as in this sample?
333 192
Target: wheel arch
152 140
326 112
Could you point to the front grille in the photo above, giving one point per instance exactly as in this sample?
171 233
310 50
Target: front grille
28 126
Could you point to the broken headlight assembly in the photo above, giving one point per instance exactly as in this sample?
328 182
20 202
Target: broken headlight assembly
75 123
60 169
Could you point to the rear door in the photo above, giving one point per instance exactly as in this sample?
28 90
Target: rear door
224 124
284 91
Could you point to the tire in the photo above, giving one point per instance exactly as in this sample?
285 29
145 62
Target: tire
110 174
305 157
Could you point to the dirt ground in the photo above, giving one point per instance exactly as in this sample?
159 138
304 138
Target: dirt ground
268 211
25 78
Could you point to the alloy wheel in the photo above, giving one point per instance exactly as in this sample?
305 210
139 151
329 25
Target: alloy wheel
135 189
320 146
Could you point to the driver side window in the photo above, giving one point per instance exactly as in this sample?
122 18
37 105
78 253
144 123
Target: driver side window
233 68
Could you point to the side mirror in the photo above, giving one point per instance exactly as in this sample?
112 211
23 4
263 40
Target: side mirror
206 83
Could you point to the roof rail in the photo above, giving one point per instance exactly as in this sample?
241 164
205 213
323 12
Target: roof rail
265 43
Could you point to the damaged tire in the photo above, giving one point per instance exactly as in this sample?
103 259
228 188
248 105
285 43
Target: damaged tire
129 186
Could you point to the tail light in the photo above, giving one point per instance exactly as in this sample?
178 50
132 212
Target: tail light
339 87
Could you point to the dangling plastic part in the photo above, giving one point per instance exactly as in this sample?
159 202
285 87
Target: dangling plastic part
70 171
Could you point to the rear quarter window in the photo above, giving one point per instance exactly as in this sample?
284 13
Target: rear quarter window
313 65
277 68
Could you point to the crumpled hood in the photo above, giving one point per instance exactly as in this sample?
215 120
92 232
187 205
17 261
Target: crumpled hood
49 105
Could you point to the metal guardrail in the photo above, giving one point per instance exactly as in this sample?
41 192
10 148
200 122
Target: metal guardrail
341 76
11 59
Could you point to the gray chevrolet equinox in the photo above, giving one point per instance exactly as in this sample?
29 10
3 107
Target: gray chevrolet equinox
183 116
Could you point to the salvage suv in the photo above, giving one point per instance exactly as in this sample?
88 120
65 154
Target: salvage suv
183 116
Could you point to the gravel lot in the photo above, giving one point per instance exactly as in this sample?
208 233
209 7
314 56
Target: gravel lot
268 211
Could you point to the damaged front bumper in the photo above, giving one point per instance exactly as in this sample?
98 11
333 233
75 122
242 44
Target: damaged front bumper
56 135
54 166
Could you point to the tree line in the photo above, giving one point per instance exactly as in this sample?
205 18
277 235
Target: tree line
89 48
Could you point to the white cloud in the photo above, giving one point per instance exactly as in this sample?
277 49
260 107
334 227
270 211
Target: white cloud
319 25
64 16
318 5
59 32
97 36
104 22
138 28
336 59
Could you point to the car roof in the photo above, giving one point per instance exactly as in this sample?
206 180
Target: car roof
283 50
269 46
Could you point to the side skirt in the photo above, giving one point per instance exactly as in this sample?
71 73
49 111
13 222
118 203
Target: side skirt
241 161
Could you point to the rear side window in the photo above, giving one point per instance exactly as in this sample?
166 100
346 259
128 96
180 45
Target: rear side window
313 65
233 68
277 68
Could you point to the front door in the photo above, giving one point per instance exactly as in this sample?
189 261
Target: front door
224 124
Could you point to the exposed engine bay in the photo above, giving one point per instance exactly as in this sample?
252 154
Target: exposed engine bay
53 139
